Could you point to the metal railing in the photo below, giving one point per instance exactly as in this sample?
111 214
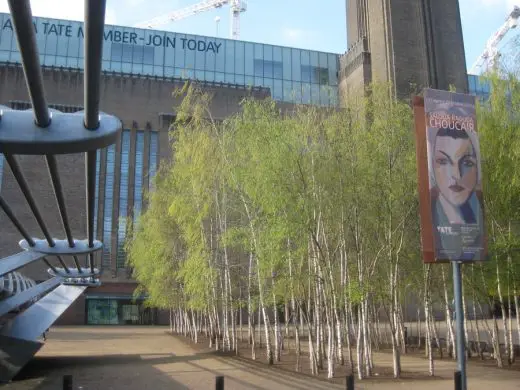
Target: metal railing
46 132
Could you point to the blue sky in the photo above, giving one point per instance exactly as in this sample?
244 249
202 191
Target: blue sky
298 23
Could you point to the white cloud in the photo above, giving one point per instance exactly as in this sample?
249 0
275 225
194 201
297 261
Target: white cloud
62 9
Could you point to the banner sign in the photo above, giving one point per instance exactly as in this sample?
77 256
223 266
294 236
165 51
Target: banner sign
448 153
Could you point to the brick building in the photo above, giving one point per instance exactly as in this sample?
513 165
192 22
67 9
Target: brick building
141 68
411 43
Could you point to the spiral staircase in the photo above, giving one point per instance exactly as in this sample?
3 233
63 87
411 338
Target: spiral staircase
27 308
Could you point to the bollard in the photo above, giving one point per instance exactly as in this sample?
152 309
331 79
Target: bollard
67 382
350 382
458 380
219 383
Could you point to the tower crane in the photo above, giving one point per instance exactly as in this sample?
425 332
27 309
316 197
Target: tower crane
488 59
236 7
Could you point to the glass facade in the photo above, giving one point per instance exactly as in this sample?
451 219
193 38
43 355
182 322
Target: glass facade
152 157
109 202
98 167
138 181
293 75
479 86
118 311
123 198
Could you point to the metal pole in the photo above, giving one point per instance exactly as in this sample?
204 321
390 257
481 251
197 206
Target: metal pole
350 382
459 322
94 28
21 16
219 383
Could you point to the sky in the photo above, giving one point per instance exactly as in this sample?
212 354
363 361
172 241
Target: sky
314 25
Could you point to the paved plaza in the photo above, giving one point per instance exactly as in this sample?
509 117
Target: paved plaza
132 358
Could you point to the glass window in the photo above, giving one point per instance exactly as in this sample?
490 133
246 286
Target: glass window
152 157
315 94
306 93
323 61
63 43
269 83
109 201
158 71
96 207
73 62
249 59
239 79
168 71
126 67
200 55
323 76
6 39
4 55
81 51
211 59
277 54
314 58
127 52
239 57
297 91
305 58
158 53
259 67
61 61
229 78
148 69
179 52
221 56
209 76
123 198
138 178
277 70
40 36
47 60
286 63
277 92
73 48
306 72
259 81
296 65
230 56
333 68
51 43
268 69
324 95
138 53
219 77
189 51
148 55
250 81
117 52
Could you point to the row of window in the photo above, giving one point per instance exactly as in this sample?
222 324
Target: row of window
139 180
142 51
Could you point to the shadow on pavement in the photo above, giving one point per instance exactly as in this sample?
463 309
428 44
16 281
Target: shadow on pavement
85 370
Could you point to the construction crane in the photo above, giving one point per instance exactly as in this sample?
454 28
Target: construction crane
236 7
488 59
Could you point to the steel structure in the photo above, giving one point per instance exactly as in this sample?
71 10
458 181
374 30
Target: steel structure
27 309
236 8
488 59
